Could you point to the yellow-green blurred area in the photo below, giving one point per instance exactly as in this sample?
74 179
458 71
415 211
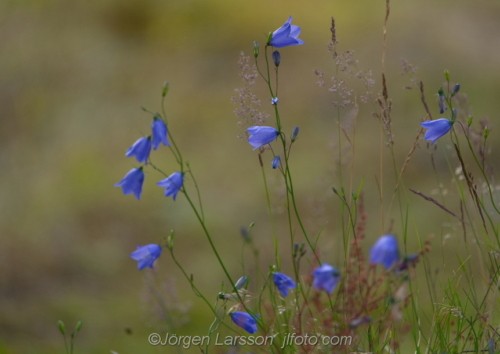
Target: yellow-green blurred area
73 78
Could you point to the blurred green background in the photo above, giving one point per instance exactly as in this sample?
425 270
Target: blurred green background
73 76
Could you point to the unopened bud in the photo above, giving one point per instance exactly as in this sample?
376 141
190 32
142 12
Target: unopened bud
455 90
240 283
447 75
442 104
295 249
79 325
469 121
454 114
295 133
302 249
170 240
359 321
276 162
166 86
61 326
276 58
486 132
256 49
245 234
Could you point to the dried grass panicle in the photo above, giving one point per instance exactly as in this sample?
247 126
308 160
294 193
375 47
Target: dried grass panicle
320 74
344 95
385 104
166 310
408 69
366 78
247 102
332 46
346 65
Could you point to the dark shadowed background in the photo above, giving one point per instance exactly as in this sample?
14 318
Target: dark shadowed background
73 76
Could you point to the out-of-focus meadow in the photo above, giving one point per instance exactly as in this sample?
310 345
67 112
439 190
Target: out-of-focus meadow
73 76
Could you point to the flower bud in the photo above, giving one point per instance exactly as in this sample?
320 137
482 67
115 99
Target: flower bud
454 114
276 162
295 133
455 90
255 49
79 325
170 240
240 283
166 86
359 321
276 58
245 234
442 104
295 250
274 101
302 249
61 326
469 121
447 75
486 132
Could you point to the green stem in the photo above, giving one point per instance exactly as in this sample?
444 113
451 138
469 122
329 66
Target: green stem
275 236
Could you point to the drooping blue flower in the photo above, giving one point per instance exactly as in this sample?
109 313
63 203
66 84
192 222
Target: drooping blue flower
260 136
276 161
385 251
286 35
159 129
245 321
283 283
326 278
172 184
146 255
132 182
436 128
140 149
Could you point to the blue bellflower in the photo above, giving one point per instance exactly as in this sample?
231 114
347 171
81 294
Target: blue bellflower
436 128
245 321
159 129
172 184
140 149
286 35
146 255
326 278
385 251
283 283
276 162
260 136
132 182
